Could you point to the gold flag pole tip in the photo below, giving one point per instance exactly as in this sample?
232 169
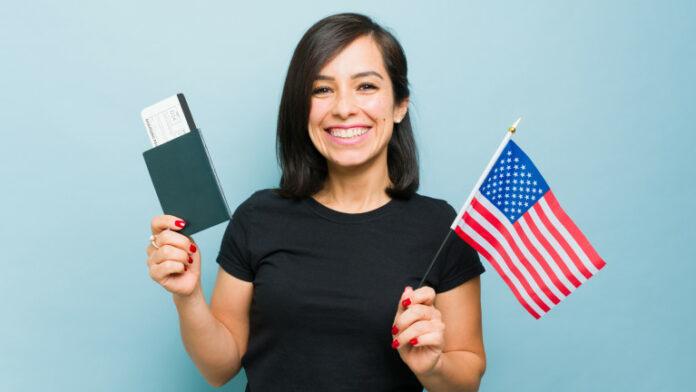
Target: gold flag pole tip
513 127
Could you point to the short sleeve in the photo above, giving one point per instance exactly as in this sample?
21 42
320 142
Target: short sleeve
234 256
459 261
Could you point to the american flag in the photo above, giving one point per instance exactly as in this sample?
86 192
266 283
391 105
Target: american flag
516 223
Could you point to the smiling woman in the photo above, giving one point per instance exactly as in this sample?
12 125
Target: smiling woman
315 290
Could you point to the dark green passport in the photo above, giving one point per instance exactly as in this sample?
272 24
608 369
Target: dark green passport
185 182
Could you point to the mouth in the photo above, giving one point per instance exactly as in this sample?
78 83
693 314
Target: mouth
350 133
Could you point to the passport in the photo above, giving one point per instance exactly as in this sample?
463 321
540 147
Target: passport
186 183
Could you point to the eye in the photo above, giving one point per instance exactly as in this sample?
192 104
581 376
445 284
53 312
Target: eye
367 86
322 90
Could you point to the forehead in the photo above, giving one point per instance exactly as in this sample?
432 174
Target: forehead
361 55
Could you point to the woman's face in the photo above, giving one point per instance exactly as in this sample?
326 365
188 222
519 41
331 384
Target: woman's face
352 111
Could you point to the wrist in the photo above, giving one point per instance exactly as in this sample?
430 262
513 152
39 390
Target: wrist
436 370
185 299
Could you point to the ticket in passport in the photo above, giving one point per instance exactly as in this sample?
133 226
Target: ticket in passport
167 119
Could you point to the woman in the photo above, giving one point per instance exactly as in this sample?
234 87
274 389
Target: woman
310 294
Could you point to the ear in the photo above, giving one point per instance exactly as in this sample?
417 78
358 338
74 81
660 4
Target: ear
400 110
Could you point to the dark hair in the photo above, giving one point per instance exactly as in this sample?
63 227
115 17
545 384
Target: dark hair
304 169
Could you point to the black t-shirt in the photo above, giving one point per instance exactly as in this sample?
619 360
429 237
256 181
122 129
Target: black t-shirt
327 285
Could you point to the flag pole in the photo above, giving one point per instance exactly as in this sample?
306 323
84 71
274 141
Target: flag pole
501 146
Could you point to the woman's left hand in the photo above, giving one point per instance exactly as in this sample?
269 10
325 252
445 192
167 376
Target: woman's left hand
419 331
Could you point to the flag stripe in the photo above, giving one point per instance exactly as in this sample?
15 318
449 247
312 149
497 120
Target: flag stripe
522 227
492 242
534 231
464 234
508 240
562 256
568 238
561 241
559 280
574 231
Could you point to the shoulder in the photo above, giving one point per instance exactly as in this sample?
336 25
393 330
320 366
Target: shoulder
431 206
262 200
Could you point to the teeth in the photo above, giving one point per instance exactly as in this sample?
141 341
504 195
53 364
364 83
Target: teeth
348 133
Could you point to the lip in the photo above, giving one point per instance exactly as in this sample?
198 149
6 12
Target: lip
350 141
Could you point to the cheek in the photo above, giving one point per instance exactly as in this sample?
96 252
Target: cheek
318 111
378 107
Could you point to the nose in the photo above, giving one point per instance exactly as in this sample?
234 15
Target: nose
345 105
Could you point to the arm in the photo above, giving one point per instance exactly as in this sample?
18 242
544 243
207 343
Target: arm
463 360
216 337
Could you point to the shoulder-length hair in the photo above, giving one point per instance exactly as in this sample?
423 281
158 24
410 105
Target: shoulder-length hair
304 169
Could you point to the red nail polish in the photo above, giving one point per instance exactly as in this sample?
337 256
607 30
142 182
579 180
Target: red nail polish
406 302
395 330
190 260
185 268
192 248
413 341
180 223
395 343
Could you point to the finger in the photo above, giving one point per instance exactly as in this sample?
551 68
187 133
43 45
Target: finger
166 268
424 295
399 307
419 328
436 339
162 222
414 314
169 252
178 240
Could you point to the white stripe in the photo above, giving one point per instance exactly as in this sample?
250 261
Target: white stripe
532 238
515 261
566 235
565 258
496 256
525 251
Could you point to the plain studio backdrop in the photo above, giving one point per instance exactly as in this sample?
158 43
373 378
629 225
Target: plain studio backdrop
607 93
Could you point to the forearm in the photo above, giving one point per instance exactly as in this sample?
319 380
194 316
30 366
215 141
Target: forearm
210 345
458 371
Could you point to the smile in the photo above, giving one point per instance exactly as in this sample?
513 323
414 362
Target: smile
348 134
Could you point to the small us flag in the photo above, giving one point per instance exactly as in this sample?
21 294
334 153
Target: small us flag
516 223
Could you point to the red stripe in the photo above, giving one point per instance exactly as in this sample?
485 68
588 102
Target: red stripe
481 209
559 238
550 250
573 230
469 220
495 265
533 250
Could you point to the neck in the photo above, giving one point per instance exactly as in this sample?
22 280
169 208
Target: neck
356 189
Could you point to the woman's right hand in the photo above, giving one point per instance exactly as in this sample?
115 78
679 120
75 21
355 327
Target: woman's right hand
176 264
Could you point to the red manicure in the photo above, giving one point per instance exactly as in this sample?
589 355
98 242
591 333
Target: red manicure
406 302
395 343
180 223
413 341
395 330
190 260
185 268
192 248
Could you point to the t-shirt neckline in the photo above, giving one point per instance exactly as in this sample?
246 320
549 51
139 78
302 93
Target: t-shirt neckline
347 217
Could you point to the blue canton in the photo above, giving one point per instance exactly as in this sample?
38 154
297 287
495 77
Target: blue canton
514 184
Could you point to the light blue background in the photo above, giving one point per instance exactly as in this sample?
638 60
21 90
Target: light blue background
607 90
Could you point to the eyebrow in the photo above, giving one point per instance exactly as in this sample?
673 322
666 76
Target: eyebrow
355 76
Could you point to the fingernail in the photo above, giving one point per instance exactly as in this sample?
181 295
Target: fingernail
180 223
192 248
409 287
185 268
395 343
413 341
395 330
190 260
406 302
